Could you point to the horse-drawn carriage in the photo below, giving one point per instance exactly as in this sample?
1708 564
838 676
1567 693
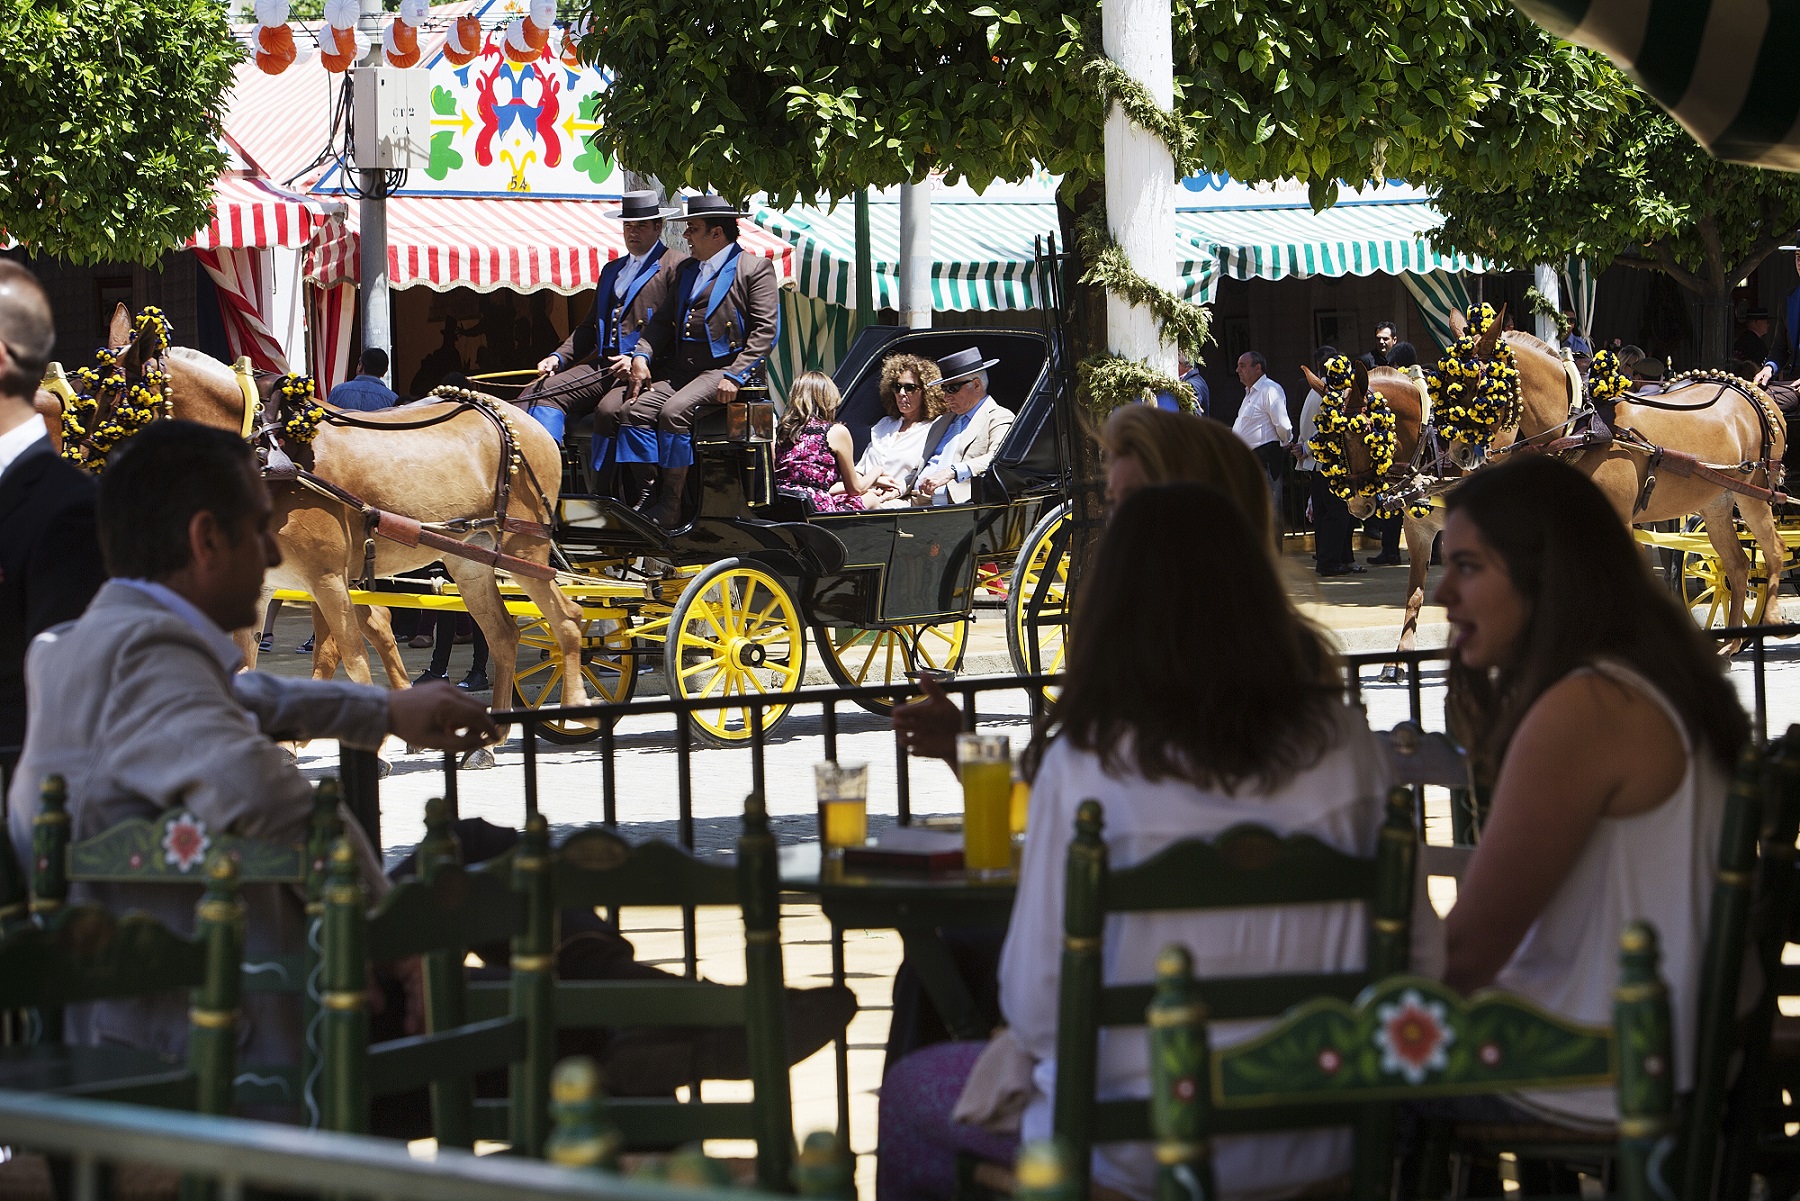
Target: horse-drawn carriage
595 594
730 598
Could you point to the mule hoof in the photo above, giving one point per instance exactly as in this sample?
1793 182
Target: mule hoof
479 759
382 768
1389 675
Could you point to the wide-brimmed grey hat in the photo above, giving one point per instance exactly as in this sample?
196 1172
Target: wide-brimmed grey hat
963 362
639 206
712 206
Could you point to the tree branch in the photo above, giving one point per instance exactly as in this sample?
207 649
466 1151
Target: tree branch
1759 250
1681 275
1708 229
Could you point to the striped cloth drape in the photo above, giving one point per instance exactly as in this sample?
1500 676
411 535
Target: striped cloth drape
330 327
1579 285
1723 68
1438 294
237 277
814 336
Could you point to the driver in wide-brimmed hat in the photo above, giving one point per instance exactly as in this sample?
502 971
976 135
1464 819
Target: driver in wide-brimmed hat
710 339
594 370
961 443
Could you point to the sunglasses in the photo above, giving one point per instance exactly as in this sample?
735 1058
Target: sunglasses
906 388
958 386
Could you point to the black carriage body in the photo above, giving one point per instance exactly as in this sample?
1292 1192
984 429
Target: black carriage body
876 568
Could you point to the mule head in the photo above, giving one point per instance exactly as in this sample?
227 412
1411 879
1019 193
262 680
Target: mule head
1459 324
1359 388
118 331
1312 381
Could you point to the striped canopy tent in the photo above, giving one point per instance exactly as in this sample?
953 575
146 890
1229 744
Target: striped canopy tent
1270 231
1722 69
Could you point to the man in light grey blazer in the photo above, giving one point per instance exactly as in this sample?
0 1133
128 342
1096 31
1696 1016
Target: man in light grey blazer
139 705
962 441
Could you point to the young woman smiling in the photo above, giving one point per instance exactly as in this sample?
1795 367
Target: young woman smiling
1615 730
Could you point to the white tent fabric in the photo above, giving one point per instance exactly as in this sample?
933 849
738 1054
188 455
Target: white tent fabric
1438 294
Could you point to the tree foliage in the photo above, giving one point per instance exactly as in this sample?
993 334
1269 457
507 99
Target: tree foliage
110 125
819 98
1648 197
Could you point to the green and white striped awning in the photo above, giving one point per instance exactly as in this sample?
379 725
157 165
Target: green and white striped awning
1291 241
1723 68
983 252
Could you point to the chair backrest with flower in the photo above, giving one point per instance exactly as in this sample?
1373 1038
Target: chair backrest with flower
173 850
1407 1038
1246 866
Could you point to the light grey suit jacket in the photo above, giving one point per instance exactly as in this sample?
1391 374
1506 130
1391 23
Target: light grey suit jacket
133 708
972 449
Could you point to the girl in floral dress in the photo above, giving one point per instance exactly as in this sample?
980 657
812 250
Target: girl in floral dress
813 453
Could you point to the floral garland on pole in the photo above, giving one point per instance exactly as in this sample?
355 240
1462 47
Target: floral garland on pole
1109 380
1472 400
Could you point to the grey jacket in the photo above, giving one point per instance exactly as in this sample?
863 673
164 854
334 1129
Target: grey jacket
133 708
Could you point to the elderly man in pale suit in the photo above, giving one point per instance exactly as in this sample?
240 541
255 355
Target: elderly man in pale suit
963 440
139 705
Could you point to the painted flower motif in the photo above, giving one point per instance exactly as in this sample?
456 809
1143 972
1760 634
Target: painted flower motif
185 845
1413 1037
1489 1055
1184 1089
1330 1061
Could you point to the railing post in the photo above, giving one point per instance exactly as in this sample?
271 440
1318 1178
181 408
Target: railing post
213 1019
1646 1067
50 848
1180 1080
345 999
360 772
452 1100
583 1137
324 828
534 987
759 891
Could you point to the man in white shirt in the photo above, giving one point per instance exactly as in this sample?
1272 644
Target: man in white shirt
1262 420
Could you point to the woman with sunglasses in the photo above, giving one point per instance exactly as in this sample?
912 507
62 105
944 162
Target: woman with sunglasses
896 450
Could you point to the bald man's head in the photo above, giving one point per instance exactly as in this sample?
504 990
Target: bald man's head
27 332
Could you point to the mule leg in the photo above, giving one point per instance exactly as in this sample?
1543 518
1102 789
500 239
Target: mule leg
332 606
377 622
1761 522
1721 531
248 640
481 596
325 656
564 617
1419 533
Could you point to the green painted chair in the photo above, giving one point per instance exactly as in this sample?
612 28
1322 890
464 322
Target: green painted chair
79 953
1244 867
595 868
172 850
437 917
1408 1038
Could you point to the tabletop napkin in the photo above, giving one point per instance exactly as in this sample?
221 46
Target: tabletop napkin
999 1086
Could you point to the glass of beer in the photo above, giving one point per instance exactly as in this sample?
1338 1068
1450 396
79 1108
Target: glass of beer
843 805
985 763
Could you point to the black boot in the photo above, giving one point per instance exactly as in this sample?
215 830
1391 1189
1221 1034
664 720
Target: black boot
665 510
636 482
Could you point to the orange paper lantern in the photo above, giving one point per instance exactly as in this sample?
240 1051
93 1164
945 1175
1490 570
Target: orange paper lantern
400 43
535 35
464 41
337 64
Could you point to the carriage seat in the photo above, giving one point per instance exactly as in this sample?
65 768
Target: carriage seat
751 418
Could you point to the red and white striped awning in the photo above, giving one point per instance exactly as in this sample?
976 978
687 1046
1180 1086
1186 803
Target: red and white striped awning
442 243
250 212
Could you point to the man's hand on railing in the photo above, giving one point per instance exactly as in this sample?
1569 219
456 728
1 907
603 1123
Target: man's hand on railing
441 717
928 727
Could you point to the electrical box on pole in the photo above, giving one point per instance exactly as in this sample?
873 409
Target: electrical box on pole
391 121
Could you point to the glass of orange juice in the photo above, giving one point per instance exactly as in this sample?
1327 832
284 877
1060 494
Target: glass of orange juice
985 763
1021 804
843 805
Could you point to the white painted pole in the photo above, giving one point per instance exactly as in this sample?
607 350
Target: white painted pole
1547 283
372 256
915 255
1140 173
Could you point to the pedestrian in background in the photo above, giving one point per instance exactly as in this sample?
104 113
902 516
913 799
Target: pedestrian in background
1332 549
1262 420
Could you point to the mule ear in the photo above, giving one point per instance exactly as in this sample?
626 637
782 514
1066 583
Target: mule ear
1459 324
1359 386
119 332
1490 341
1313 381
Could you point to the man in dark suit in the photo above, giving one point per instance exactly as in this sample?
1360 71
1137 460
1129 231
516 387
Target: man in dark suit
713 337
594 370
49 553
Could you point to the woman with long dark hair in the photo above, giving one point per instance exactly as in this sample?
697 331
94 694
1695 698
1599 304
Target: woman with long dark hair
1189 707
1614 729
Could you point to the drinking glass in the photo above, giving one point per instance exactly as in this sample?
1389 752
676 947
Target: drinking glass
843 805
985 764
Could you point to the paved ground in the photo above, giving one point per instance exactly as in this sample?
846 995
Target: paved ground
1362 611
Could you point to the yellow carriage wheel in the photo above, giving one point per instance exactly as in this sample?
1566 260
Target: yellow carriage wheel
1037 606
607 667
1708 597
735 631
858 658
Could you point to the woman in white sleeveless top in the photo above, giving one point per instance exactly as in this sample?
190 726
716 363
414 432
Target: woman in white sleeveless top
1615 731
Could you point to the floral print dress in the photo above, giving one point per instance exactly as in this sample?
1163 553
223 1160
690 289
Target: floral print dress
806 468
